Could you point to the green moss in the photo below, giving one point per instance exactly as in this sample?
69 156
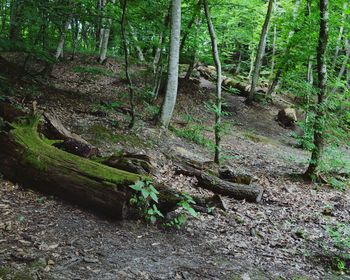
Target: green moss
40 154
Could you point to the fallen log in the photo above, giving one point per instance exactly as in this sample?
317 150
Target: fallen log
251 193
28 158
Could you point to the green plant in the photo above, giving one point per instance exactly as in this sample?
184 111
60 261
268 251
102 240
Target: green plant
107 107
145 200
96 71
195 134
185 205
340 235
337 184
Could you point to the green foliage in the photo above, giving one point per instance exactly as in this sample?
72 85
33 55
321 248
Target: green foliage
107 107
145 200
187 210
194 133
96 71
340 236
338 184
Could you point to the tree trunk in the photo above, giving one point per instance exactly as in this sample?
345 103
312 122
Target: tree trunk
216 58
126 64
60 47
190 24
136 43
105 31
340 36
15 19
280 70
259 54
310 74
75 36
173 70
344 65
322 90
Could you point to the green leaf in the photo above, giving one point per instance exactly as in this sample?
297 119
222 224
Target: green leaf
145 193
138 186
154 196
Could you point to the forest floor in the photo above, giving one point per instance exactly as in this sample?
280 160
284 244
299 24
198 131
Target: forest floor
286 236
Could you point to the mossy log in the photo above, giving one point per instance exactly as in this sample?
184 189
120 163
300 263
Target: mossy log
32 160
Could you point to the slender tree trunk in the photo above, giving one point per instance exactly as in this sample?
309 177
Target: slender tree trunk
340 36
160 47
3 16
216 57
173 70
259 54
190 24
193 51
15 19
310 74
75 36
344 64
158 53
136 43
105 31
251 69
322 90
239 63
60 47
273 62
98 27
126 63
280 70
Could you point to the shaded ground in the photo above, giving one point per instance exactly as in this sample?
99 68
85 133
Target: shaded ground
284 237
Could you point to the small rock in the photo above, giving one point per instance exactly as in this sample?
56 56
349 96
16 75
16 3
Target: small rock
287 117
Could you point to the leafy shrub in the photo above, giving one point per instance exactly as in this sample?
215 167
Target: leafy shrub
145 200
185 206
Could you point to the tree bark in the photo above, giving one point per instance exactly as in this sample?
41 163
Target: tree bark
340 35
190 24
259 54
60 47
126 64
136 42
173 70
280 70
344 64
15 19
104 33
216 58
251 193
322 90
